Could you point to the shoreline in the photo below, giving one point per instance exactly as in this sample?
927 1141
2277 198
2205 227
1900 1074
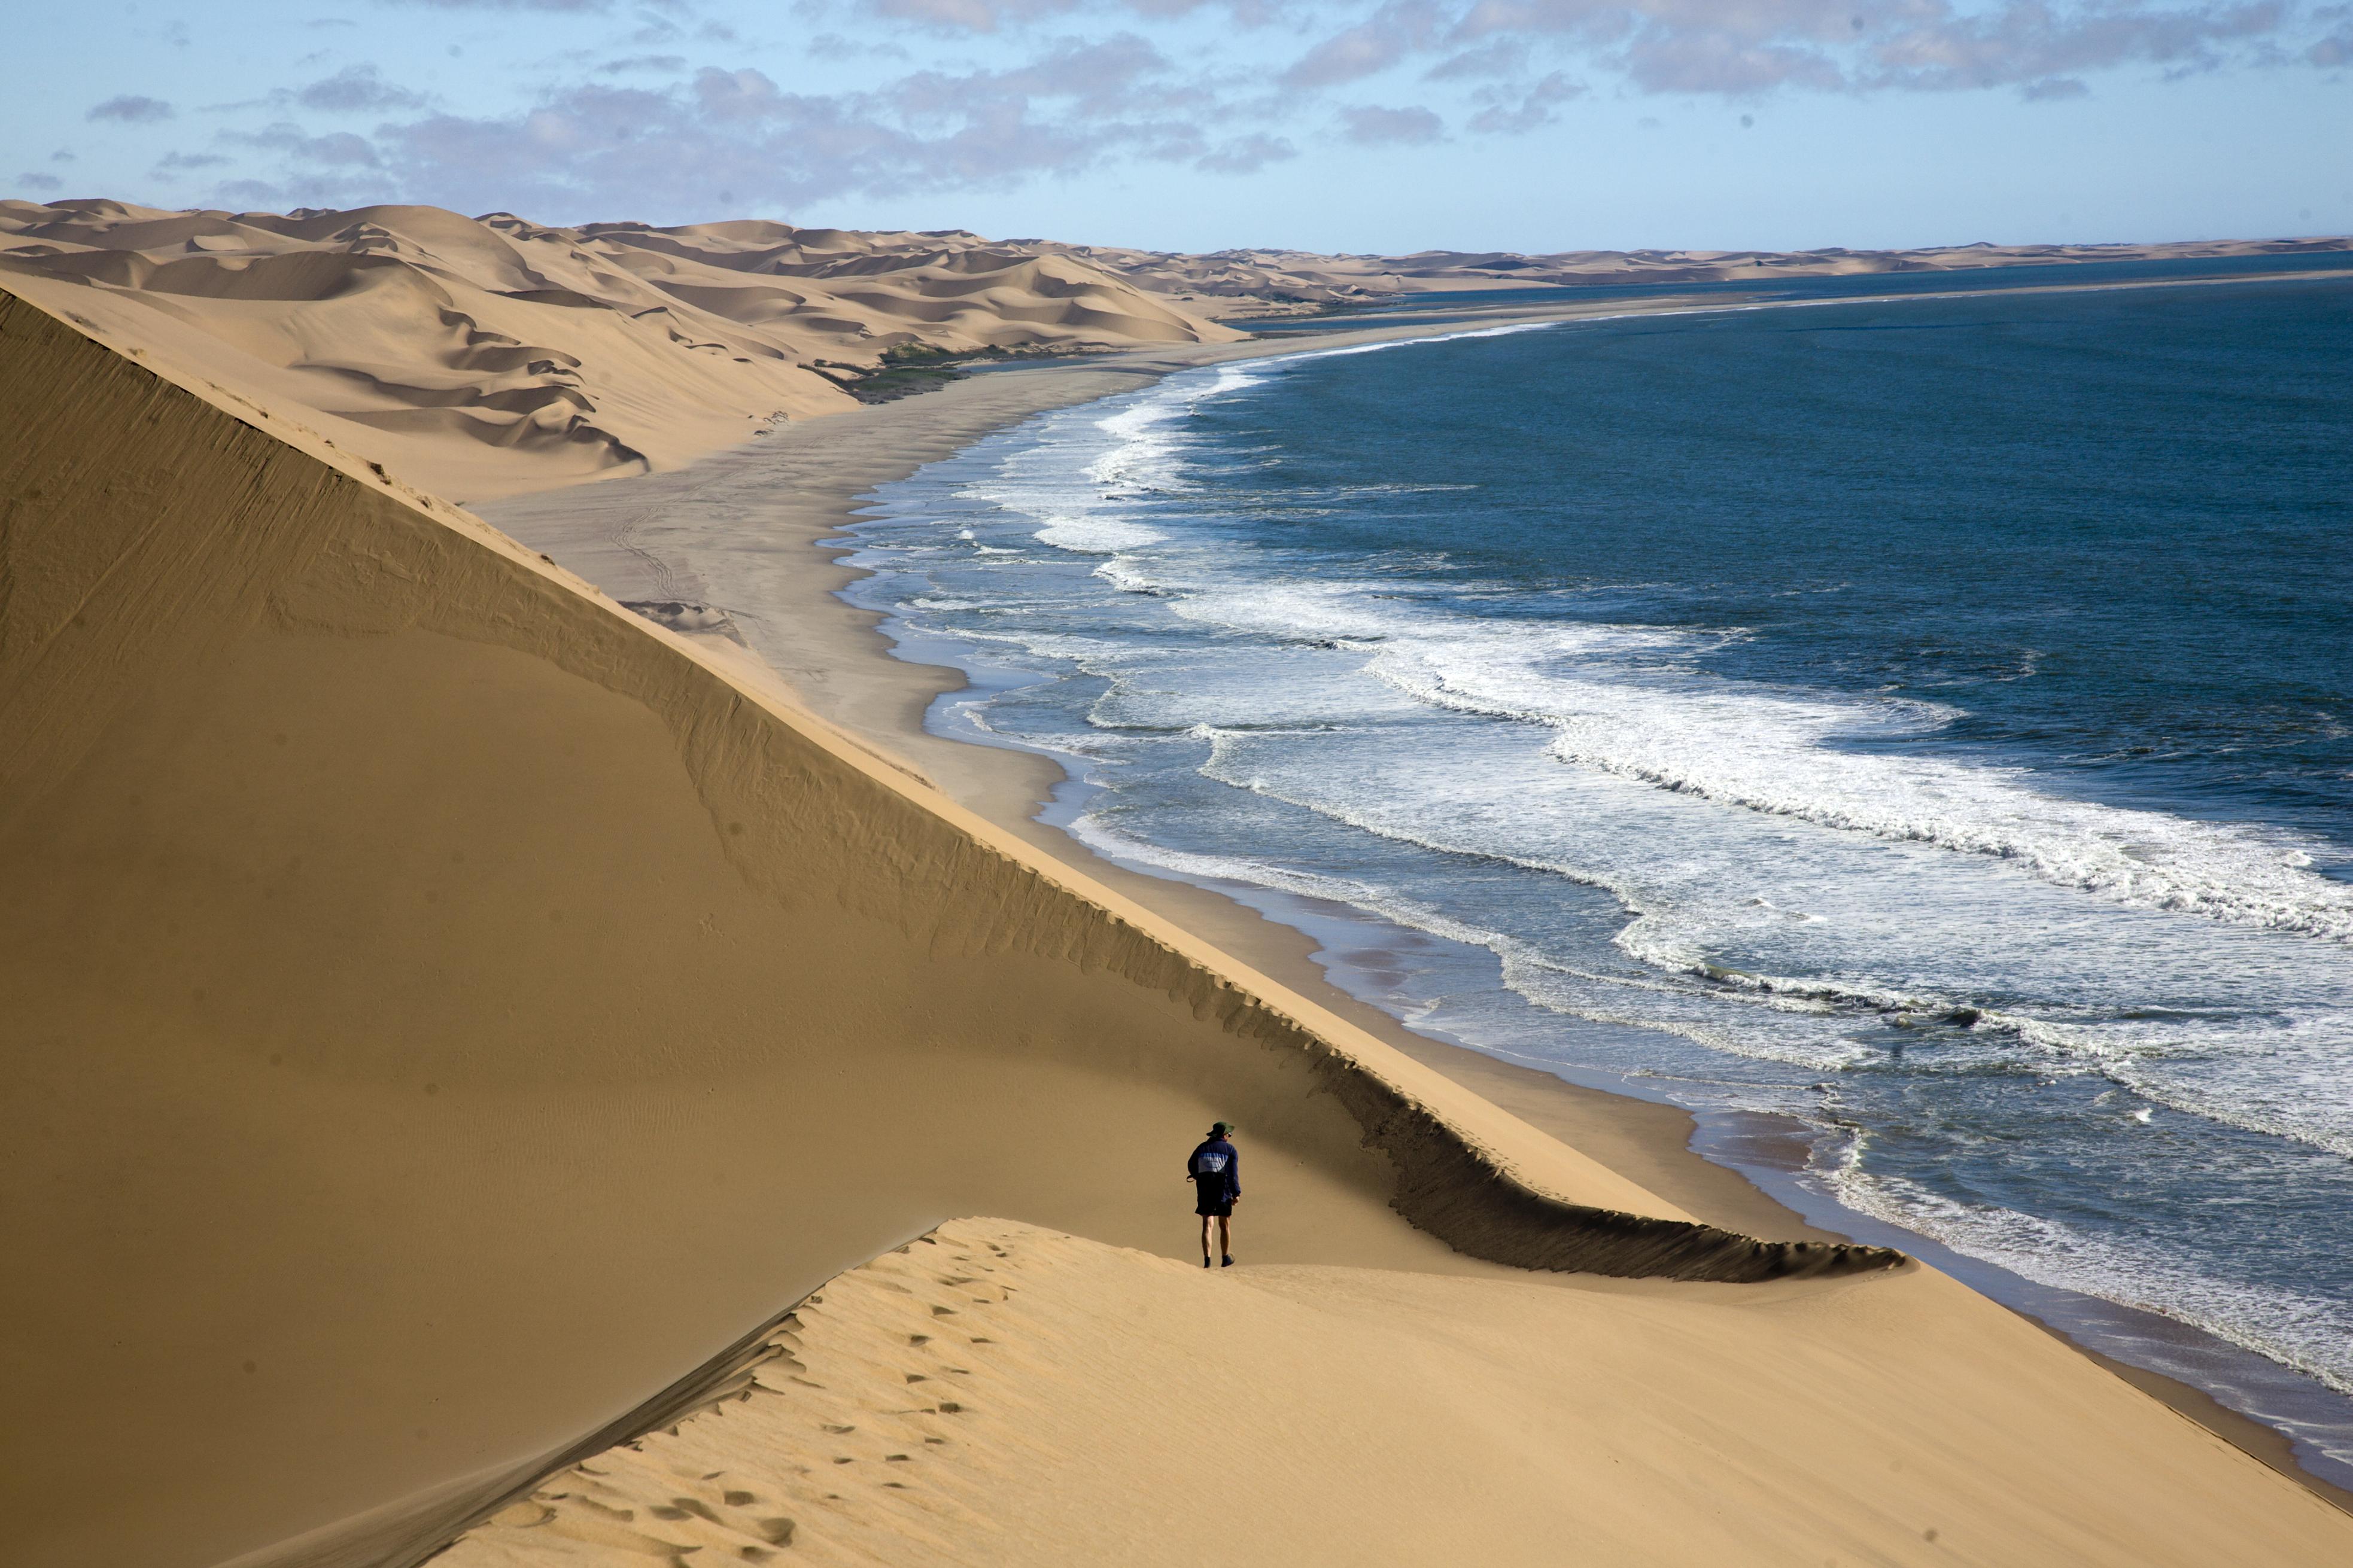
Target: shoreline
765 508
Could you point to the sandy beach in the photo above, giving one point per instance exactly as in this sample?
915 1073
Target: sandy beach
470 1014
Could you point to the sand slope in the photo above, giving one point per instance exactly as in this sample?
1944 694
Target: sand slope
999 1394
444 1007
479 357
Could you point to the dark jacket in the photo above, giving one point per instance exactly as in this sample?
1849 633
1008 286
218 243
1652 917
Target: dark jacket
1217 1170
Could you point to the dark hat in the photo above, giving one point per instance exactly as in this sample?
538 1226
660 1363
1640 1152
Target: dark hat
1219 1130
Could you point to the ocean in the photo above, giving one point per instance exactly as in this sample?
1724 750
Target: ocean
1923 722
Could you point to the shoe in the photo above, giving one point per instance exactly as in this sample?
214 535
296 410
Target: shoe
1205 1260
1229 1263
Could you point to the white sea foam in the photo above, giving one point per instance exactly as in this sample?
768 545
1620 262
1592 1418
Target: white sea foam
1613 707
1785 1028
2250 1026
1096 535
1778 753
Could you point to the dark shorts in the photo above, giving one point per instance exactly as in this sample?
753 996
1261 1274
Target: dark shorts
1217 1206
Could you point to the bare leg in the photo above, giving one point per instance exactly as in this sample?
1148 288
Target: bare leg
1205 1241
1225 1237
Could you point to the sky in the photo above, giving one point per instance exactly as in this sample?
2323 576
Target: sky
1383 126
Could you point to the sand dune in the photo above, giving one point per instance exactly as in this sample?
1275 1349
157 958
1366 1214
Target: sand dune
448 1008
480 357
999 1394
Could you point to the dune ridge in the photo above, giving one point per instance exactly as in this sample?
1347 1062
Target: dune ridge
435 959
994 1393
481 356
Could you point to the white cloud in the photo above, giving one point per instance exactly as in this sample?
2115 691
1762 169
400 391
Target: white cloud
732 138
1517 112
130 108
352 88
1372 126
980 94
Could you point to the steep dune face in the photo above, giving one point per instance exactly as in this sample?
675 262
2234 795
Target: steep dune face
480 357
442 1009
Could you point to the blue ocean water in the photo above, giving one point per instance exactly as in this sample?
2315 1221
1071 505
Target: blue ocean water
1929 720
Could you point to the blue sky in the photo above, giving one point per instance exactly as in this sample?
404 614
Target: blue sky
1388 125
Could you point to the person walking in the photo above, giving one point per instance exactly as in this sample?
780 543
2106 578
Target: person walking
1215 1171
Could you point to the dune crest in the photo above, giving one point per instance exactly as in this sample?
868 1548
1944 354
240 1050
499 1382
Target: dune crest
998 1393
483 356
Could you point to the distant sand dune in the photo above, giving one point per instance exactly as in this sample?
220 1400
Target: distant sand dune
1240 283
572 353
